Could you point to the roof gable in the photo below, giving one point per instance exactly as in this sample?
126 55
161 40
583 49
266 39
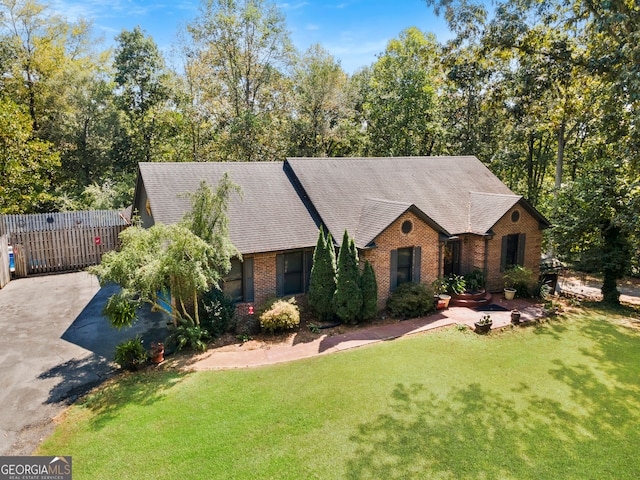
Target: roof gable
440 187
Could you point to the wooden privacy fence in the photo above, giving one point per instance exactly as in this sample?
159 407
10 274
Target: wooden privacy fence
61 242
5 274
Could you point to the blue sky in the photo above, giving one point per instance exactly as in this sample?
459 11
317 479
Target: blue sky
354 31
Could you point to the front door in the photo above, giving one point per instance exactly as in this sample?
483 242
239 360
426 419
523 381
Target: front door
452 255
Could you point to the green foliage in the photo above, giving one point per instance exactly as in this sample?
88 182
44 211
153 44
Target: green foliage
485 320
187 335
475 281
131 354
369 293
456 284
411 300
161 258
120 310
323 278
281 315
218 312
521 279
348 295
27 164
400 103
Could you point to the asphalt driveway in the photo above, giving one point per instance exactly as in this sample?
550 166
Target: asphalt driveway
54 346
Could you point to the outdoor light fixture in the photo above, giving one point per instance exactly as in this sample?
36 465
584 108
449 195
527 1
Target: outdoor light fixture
250 309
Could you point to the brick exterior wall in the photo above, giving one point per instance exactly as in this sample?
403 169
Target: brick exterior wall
533 246
392 238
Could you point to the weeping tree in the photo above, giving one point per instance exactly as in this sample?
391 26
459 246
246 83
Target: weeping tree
163 259
323 278
180 261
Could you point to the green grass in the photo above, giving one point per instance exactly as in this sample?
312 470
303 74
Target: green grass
560 400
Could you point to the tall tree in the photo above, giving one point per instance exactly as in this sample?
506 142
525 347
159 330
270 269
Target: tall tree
401 107
141 78
323 117
247 50
26 164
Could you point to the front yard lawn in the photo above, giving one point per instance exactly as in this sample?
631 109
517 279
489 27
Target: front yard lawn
559 400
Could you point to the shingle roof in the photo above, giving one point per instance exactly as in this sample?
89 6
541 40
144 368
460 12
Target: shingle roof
270 215
441 187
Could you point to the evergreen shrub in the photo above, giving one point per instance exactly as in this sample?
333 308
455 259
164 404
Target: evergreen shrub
411 300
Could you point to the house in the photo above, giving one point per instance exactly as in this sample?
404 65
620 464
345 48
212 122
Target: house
413 218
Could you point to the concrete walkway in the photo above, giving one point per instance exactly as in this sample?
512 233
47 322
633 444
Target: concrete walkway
251 355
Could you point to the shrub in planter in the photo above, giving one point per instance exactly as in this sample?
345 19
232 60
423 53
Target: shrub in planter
411 300
282 315
217 312
475 281
131 354
456 284
519 278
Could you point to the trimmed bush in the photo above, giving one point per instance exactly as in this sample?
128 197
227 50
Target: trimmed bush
369 287
218 312
131 354
282 315
411 300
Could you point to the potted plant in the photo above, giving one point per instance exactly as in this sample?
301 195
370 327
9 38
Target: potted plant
440 287
484 324
515 316
517 281
157 352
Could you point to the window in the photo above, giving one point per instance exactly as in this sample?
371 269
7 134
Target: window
293 273
407 226
512 251
238 283
232 282
293 270
405 266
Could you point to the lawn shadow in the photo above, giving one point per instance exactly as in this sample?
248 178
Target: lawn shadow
140 388
473 432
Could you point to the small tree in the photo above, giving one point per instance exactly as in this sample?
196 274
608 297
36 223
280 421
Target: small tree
163 258
348 295
323 278
369 287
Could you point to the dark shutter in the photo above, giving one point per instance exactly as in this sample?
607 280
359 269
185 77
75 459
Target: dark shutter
247 274
503 253
280 275
393 278
521 241
417 260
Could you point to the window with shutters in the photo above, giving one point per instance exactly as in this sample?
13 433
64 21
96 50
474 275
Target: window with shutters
405 266
238 283
232 282
512 251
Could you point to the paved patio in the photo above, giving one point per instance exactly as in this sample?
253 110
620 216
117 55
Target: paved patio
247 355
